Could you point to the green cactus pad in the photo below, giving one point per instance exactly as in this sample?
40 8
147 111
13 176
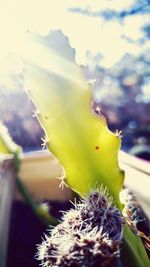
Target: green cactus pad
79 139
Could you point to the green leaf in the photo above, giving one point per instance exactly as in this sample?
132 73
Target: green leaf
79 139
133 251
8 146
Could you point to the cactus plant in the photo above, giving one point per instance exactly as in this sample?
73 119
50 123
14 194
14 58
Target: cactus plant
79 139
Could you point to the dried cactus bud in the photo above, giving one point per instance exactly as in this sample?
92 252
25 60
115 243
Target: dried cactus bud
88 235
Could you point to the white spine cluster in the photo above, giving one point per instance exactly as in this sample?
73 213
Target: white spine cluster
88 236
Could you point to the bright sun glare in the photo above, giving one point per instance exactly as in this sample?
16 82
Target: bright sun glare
85 33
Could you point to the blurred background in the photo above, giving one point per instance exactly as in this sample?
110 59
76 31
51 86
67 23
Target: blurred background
110 39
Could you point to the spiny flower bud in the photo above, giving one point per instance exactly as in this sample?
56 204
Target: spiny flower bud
98 210
88 235
91 249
